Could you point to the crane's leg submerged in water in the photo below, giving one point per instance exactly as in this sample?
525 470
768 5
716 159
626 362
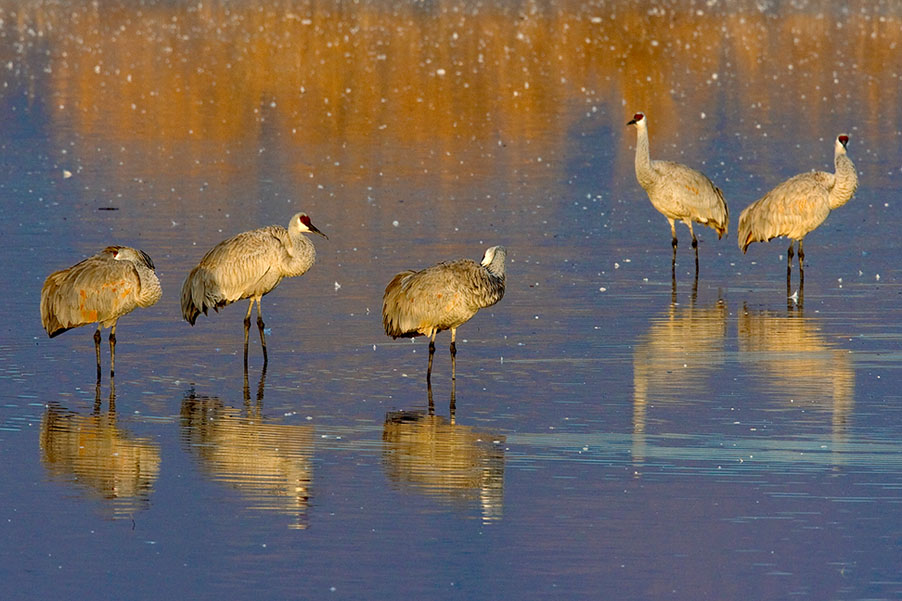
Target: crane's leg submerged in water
789 256
97 349
453 354
113 351
694 246
673 243
431 353
260 325
247 329
801 267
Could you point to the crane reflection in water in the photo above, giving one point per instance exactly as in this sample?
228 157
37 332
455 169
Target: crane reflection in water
676 360
799 369
456 464
269 464
97 455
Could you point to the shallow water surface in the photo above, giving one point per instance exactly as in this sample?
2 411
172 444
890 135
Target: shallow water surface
613 431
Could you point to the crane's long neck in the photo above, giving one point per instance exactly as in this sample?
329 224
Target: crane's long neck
303 254
644 172
846 181
493 284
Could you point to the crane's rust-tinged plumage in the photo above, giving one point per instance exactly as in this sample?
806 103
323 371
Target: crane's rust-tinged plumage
800 204
678 192
100 290
249 265
442 297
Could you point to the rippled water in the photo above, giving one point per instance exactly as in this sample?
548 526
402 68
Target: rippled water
611 433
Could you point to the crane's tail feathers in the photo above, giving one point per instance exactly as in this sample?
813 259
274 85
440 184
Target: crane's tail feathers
392 309
56 332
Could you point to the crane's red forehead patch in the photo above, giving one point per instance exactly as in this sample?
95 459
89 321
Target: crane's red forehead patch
638 116
305 220
844 139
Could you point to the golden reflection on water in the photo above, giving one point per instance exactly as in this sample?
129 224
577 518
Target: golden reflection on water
457 464
333 77
94 453
675 361
270 464
798 366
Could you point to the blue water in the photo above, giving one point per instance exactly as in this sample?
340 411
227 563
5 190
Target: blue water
615 434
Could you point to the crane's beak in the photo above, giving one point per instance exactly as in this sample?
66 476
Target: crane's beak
316 231
632 122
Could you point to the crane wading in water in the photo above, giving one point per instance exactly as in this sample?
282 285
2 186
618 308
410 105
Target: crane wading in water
442 297
100 290
799 205
249 265
678 192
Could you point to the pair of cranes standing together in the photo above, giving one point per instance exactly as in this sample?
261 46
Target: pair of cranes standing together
792 209
119 279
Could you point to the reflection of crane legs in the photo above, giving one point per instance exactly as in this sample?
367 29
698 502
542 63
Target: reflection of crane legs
452 405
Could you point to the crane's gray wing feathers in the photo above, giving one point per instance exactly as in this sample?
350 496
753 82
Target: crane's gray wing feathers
98 289
232 270
792 209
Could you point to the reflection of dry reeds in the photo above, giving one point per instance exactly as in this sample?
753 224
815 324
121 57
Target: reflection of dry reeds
318 75
449 461
93 451
798 365
270 464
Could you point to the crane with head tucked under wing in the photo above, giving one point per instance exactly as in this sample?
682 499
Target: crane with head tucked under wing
442 297
100 290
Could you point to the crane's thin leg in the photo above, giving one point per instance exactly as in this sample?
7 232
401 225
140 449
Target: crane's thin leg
260 325
431 353
113 351
789 255
247 329
97 349
453 354
801 267
673 243
694 246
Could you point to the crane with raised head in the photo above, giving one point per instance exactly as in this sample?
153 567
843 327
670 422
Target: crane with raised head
249 265
799 205
678 192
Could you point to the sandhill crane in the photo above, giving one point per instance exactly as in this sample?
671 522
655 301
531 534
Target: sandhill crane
249 265
442 297
100 290
678 192
799 205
